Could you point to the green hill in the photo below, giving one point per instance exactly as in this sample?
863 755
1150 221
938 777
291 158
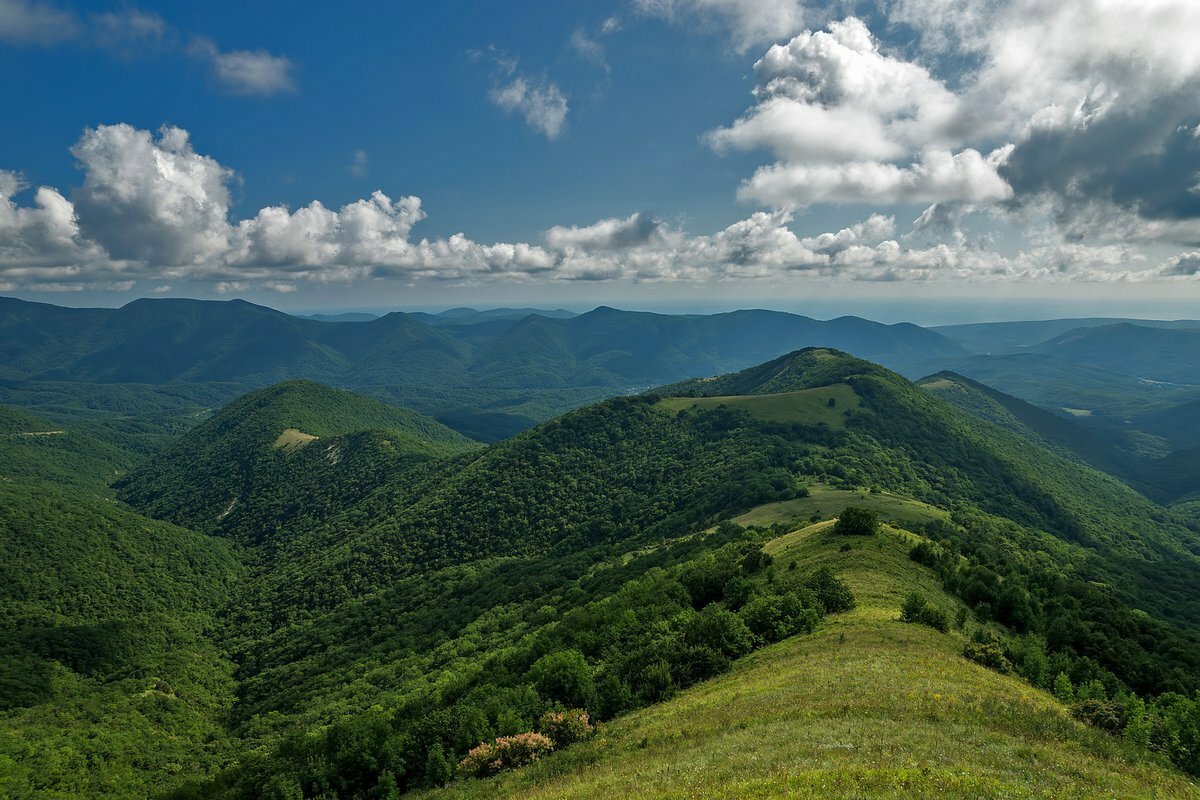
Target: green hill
295 448
1027 420
400 612
34 449
1168 355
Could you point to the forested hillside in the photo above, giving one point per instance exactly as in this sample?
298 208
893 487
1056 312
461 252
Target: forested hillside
375 604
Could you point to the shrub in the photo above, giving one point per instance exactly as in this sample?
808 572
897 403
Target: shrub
831 591
565 727
989 654
507 752
917 609
1103 714
777 617
719 629
564 677
438 769
1063 688
856 521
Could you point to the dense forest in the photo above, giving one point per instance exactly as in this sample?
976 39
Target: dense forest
311 593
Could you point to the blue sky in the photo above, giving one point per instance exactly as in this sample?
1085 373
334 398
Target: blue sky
639 152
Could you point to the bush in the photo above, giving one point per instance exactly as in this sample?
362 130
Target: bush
507 752
833 594
719 629
438 769
989 654
856 521
1106 715
777 617
564 677
565 727
917 609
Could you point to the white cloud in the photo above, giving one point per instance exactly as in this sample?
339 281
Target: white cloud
838 113
31 22
152 198
1185 265
246 71
939 176
40 240
543 105
153 212
358 166
607 234
589 47
748 22
871 231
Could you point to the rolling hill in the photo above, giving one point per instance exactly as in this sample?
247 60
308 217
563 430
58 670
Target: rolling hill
1025 419
1015 337
459 366
1165 355
654 558
294 448
867 707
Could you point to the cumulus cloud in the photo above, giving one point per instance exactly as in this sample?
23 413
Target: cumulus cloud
839 113
246 72
152 197
607 234
41 240
154 212
939 176
1098 96
1185 265
748 22
543 105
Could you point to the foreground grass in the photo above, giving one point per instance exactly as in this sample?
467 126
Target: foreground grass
866 707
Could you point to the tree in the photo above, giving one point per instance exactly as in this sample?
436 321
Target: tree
438 769
564 677
856 521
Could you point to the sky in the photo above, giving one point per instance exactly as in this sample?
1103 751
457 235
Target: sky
932 160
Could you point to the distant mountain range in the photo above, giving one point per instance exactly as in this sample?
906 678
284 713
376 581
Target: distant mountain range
491 373
164 341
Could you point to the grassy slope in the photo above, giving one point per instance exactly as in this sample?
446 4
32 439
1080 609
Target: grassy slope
810 406
867 707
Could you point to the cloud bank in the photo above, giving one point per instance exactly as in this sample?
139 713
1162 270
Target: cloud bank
1067 131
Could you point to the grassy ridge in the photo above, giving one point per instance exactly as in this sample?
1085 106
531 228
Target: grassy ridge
827 405
867 707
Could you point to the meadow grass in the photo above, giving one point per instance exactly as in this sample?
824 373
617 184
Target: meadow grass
810 406
825 502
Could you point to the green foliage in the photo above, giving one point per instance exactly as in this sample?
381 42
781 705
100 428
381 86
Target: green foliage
917 609
857 521
832 593
438 769
990 654
564 677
